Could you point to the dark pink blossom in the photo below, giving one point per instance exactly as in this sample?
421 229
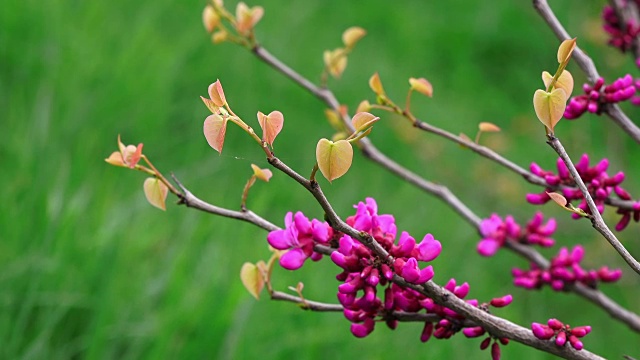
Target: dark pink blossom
562 333
564 270
600 184
496 232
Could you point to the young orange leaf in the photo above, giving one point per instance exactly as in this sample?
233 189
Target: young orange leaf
210 105
488 127
219 36
464 136
210 18
271 125
558 199
156 192
549 107
129 155
252 279
422 86
352 35
565 49
335 61
247 18
376 85
334 119
115 159
334 158
363 106
363 120
262 174
135 157
564 82
215 127
217 94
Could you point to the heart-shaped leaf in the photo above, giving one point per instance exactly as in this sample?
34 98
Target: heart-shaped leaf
334 158
271 125
156 192
215 127
252 279
362 120
549 106
564 82
565 49
422 86
352 35
262 174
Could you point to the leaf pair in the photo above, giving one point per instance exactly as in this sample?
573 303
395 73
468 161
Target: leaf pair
550 104
215 125
335 61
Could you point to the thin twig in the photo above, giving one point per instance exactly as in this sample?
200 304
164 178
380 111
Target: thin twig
401 316
190 200
596 219
508 164
588 67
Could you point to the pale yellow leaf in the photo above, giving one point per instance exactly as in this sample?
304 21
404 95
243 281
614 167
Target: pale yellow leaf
334 158
352 35
565 50
488 127
155 192
422 86
549 107
262 174
252 279
363 120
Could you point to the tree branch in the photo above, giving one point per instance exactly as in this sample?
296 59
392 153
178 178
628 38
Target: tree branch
596 219
440 191
496 326
588 67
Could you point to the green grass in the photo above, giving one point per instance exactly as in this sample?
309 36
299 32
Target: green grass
89 270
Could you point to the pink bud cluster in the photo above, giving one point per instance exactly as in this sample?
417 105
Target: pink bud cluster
600 185
363 272
561 332
621 34
596 96
496 232
565 269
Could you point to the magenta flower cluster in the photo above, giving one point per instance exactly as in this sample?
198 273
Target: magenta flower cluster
564 270
299 237
621 34
600 185
496 232
561 332
596 96
363 273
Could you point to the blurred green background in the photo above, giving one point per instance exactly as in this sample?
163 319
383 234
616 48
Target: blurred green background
89 270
